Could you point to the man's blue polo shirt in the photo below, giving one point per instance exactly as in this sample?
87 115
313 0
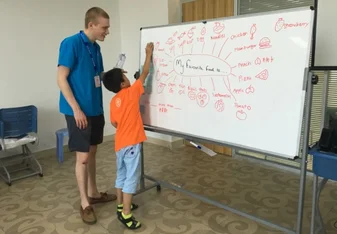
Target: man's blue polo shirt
74 54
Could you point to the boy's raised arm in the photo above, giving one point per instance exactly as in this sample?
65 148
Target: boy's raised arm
147 63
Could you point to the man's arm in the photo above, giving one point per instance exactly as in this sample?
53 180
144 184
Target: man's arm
147 63
66 62
62 81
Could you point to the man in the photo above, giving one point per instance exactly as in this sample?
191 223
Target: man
80 67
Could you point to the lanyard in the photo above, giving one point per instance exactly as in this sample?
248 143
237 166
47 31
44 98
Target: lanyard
89 51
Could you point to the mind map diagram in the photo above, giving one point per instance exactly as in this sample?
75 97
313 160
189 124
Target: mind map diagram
183 66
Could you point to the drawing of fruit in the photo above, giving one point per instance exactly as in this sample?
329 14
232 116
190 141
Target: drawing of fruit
241 115
279 24
218 27
202 99
258 61
250 89
219 105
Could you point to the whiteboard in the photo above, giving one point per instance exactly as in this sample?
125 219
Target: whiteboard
236 81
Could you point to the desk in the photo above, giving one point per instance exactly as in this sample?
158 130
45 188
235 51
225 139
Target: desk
325 166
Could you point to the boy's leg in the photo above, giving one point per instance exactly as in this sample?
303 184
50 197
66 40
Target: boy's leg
132 163
79 141
120 177
96 138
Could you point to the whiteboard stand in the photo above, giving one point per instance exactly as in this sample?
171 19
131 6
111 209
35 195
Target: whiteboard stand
310 81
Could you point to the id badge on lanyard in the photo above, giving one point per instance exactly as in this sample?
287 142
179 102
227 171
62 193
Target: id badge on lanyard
97 78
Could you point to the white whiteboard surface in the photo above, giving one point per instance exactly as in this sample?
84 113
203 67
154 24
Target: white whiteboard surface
237 81
326 34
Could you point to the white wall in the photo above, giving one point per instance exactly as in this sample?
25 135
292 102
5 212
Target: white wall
30 38
174 12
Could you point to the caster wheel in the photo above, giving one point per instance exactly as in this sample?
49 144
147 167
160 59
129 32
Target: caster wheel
158 188
41 175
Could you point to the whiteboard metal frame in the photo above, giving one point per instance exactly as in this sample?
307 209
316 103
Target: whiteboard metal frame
308 88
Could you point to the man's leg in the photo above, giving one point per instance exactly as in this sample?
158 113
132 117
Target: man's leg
79 141
96 138
92 187
82 177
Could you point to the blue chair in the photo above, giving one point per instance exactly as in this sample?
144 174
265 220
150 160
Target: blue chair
60 134
18 128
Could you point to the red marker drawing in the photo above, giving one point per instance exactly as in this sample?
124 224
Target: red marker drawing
156 47
161 87
258 61
279 24
264 43
192 95
190 33
263 75
252 31
241 115
250 89
170 41
219 105
202 99
218 27
203 31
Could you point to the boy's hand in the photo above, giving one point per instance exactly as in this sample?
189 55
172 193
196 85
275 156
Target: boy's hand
149 49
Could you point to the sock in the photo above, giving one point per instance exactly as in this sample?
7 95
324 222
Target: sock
120 207
130 223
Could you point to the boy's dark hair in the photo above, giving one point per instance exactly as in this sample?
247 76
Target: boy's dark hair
113 79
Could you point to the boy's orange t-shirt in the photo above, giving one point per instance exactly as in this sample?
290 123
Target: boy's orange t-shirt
125 112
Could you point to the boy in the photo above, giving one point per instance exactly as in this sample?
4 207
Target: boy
125 116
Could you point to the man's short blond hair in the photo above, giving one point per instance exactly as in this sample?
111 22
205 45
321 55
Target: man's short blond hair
93 13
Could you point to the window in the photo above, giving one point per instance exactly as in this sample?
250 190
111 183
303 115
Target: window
257 6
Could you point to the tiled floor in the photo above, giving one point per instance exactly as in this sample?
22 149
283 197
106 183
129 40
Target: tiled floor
50 204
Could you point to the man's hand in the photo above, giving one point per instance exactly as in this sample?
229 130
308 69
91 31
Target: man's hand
81 119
